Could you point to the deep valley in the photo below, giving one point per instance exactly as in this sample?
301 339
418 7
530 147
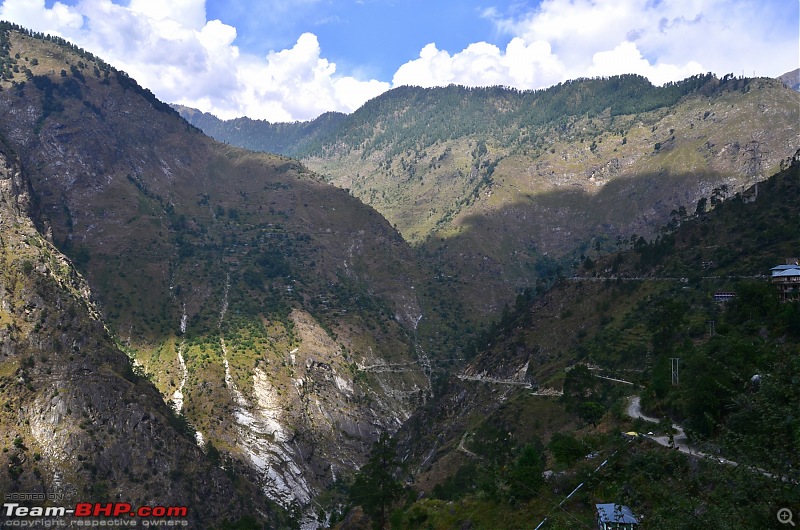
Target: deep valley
431 313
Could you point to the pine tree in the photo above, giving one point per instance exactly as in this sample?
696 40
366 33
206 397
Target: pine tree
375 488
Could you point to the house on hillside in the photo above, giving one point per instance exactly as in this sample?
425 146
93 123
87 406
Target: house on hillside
615 517
787 280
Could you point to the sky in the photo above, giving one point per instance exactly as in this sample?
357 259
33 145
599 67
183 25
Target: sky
290 60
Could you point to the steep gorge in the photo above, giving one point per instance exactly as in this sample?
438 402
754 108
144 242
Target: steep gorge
286 322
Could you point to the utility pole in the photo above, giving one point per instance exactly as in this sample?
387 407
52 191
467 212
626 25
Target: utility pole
755 157
712 327
675 375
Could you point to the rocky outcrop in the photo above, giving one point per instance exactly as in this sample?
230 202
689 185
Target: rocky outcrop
76 419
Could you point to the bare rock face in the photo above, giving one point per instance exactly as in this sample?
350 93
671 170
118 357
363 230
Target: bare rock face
76 420
14 192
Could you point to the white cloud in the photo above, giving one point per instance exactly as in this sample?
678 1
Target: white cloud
189 14
662 40
626 59
170 48
33 14
522 65
298 84
560 40
353 93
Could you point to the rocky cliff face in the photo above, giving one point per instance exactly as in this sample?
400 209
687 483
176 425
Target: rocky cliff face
76 419
273 311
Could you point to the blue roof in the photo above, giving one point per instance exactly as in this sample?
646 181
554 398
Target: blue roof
615 513
786 273
785 267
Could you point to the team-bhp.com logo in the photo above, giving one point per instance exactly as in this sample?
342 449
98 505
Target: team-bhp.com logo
91 514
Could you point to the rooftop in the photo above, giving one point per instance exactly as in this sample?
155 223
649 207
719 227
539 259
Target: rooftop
795 271
615 513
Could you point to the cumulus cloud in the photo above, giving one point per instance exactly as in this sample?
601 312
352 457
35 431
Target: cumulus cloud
28 13
521 65
172 49
626 58
298 83
662 40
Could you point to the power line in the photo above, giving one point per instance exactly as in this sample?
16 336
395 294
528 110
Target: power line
560 504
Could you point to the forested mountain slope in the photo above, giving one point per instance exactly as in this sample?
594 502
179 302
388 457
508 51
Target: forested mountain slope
501 187
610 333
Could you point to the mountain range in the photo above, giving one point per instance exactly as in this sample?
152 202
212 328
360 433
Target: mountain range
240 327
523 182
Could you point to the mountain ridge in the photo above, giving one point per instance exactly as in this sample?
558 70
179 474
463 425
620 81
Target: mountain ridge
433 160
791 79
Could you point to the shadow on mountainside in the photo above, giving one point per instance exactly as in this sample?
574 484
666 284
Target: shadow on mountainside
500 251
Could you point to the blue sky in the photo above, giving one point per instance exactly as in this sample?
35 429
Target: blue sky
286 60
372 36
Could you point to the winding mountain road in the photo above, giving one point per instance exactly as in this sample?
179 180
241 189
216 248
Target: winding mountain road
680 441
